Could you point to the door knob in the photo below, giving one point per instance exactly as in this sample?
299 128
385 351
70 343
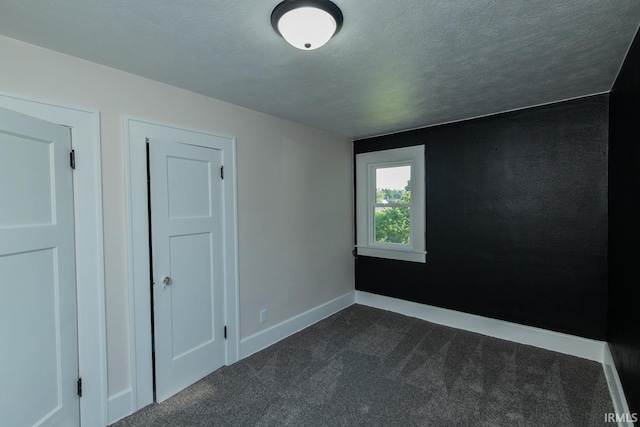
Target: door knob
166 281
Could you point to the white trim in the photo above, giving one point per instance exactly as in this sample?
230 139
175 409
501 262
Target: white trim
120 405
615 387
92 354
542 338
399 254
366 166
136 131
263 339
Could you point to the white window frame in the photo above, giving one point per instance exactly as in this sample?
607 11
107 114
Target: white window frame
366 165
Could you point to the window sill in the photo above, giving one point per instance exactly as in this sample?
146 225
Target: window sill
401 255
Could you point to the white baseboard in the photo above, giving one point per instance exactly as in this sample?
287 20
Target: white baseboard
120 405
549 340
272 335
620 406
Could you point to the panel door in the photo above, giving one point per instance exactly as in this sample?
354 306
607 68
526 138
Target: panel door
38 322
187 259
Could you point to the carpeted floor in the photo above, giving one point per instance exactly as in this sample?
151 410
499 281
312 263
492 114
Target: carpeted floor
369 367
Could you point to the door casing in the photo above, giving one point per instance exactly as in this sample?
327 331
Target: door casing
92 349
136 133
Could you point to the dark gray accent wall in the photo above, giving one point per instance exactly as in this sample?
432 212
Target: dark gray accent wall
516 218
624 226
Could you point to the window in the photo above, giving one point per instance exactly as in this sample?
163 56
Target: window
390 204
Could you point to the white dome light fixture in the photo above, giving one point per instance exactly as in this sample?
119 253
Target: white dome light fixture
306 24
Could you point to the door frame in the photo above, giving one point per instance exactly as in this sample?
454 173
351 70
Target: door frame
136 133
87 194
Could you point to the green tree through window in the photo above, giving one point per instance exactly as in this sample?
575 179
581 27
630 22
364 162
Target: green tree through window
393 223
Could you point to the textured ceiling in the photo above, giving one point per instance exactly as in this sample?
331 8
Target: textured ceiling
395 65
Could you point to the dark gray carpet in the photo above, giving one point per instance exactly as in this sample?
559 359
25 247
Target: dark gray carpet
369 367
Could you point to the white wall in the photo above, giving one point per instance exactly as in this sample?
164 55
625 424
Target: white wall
294 188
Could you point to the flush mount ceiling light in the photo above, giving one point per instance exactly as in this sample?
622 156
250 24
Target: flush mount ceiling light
306 24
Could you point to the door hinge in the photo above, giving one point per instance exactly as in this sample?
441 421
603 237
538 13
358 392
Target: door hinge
225 332
79 387
72 159
222 172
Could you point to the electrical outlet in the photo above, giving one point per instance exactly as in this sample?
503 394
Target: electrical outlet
263 316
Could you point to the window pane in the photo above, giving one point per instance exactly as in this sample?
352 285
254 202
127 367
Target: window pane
393 185
392 225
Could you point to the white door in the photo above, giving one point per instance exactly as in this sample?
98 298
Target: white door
187 259
38 323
